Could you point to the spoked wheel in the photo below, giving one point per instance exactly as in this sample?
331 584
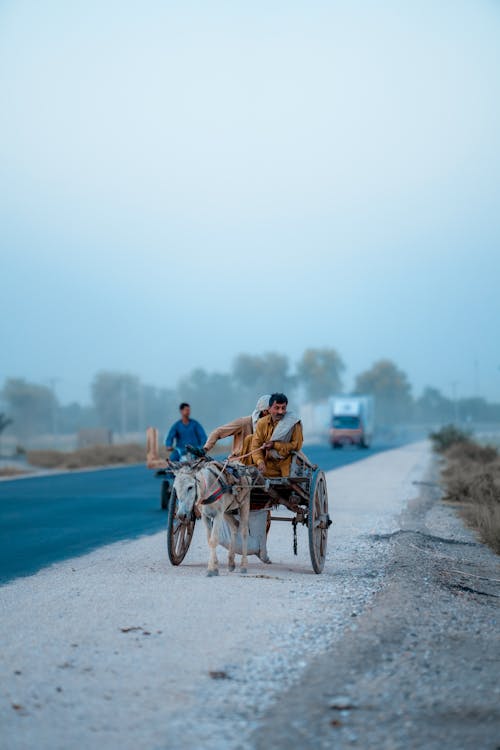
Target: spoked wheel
179 533
318 520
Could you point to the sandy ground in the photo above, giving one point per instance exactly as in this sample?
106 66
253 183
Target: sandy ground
115 648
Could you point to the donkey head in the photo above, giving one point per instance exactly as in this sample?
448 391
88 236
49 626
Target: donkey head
186 491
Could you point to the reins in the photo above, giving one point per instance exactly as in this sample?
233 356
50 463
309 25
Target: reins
246 455
213 485
213 497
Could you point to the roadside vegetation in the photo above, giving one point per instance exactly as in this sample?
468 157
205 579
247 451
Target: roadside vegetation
98 455
471 479
12 471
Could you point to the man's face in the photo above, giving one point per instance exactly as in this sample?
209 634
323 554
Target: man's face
186 412
277 411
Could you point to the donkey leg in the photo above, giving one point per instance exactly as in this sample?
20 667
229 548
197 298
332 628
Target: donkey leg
244 516
212 559
263 552
263 546
234 528
213 563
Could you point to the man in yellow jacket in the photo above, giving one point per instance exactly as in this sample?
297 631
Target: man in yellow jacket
275 437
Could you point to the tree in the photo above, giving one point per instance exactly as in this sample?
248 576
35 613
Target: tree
212 396
477 409
159 407
433 407
73 417
31 405
4 423
391 389
256 375
117 400
319 370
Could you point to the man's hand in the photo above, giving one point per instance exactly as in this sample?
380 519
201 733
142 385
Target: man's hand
261 467
268 445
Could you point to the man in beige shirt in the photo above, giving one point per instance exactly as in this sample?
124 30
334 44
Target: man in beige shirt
241 430
275 438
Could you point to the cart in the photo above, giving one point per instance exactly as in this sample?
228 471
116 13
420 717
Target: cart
304 493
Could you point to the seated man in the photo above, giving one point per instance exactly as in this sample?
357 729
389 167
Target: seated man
241 430
184 432
275 437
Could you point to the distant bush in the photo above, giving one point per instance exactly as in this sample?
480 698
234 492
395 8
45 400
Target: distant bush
471 451
447 436
98 455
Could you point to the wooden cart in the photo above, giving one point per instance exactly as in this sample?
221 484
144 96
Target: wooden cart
304 493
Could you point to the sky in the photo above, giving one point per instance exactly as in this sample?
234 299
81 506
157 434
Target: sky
184 181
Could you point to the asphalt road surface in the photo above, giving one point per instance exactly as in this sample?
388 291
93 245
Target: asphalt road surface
50 518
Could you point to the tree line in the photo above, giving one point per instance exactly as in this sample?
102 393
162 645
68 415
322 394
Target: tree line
123 403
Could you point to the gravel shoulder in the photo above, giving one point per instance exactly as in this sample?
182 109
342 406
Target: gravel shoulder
116 647
420 667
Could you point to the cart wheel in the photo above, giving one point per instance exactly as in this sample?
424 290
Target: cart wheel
318 520
165 494
179 533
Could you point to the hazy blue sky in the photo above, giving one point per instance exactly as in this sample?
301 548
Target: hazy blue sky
183 181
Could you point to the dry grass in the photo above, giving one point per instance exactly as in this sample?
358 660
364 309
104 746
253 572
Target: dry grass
12 471
471 478
98 455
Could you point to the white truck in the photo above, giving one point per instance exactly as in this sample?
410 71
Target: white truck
352 421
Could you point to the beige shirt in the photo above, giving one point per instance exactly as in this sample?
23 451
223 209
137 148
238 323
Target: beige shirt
239 429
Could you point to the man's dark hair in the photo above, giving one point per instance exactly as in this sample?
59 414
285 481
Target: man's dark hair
181 407
278 398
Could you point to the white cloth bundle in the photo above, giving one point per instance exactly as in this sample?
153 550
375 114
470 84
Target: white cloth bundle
283 430
256 533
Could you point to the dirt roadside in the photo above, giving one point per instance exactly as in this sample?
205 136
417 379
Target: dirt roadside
420 667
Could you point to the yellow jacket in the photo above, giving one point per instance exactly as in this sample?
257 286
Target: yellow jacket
275 463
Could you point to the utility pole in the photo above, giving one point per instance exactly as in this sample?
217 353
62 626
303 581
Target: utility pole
140 406
54 407
476 378
455 402
123 412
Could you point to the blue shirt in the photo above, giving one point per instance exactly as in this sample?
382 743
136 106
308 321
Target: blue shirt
191 433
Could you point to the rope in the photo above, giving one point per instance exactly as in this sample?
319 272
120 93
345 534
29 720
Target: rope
246 455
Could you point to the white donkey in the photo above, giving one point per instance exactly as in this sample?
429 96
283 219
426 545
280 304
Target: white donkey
205 486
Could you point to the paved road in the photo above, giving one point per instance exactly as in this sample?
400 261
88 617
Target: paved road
51 518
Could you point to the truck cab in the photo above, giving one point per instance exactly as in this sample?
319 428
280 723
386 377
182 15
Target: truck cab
352 421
